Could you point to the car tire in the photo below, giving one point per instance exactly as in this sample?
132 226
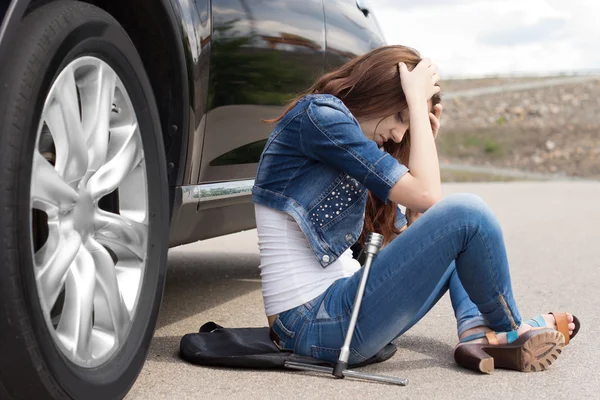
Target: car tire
36 361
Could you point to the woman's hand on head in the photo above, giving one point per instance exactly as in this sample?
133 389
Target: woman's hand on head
420 188
434 118
419 85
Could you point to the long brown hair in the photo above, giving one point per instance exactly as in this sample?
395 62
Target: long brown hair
369 85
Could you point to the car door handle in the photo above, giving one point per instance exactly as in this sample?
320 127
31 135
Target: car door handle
362 7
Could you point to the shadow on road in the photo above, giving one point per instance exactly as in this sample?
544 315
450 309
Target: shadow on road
198 281
165 349
437 354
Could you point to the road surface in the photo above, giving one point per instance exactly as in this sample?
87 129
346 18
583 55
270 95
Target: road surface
552 234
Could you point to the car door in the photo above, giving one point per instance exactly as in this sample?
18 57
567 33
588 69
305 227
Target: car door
351 29
263 53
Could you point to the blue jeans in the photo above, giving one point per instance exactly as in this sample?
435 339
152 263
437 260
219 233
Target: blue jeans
456 246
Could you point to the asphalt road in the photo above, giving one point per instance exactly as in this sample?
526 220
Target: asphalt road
551 230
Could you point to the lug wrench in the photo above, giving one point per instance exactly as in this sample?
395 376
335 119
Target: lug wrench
374 242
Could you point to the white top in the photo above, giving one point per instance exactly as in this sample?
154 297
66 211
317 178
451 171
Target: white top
291 274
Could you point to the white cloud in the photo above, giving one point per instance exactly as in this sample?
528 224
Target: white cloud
549 29
483 37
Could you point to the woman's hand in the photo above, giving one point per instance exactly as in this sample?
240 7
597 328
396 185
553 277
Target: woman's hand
419 85
412 216
434 118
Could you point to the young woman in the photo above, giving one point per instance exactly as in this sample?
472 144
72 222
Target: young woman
339 161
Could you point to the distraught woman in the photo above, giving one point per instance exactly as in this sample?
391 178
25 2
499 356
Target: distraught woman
340 159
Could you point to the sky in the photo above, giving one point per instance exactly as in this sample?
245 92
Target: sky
496 37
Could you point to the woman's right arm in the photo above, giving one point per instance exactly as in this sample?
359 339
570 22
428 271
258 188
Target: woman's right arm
420 188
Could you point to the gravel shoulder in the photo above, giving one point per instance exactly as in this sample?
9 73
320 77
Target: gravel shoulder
549 130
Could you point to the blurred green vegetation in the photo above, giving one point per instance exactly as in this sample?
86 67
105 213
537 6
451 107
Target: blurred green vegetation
469 143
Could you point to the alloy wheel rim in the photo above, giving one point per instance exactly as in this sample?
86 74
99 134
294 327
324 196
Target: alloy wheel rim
89 218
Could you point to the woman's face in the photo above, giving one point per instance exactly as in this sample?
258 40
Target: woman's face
393 127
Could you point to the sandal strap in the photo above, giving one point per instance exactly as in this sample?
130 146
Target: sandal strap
537 322
512 336
473 337
562 324
492 338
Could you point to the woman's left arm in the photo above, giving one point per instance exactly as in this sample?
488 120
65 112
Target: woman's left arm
434 118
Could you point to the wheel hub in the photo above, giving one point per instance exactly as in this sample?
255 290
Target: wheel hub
89 262
82 215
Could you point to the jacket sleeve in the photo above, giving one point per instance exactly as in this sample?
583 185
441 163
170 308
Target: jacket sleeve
401 220
331 136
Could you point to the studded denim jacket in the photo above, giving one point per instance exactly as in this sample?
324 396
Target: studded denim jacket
318 167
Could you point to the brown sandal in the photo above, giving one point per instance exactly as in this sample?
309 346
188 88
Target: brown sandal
535 350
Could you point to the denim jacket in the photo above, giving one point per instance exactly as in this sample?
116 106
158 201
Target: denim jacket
318 167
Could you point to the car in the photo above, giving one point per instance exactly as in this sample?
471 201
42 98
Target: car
128 127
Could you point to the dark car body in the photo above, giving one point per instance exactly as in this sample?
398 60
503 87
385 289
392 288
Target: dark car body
217 68
196 75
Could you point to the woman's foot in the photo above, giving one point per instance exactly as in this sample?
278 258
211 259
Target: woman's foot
502 337
533 347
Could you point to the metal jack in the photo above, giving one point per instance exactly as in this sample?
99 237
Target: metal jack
374 242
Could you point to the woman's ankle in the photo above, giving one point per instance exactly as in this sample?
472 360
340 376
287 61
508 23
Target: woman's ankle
501 337
474 331
467 324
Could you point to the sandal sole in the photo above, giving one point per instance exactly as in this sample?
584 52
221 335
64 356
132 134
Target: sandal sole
535 351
